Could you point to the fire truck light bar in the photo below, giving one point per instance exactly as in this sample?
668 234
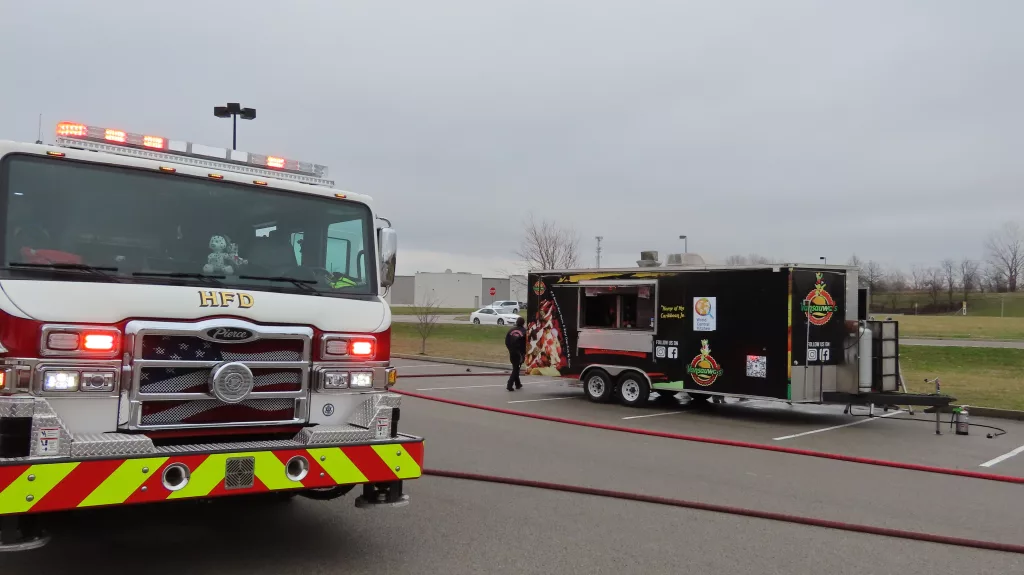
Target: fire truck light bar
72 135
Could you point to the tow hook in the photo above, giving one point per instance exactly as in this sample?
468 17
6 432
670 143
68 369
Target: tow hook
378 495
21 533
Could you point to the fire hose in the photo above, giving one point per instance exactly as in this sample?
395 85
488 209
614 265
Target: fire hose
698 505
719 441
741 511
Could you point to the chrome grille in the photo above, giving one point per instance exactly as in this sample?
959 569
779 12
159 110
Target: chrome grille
162 380
172 368
213 412
195 348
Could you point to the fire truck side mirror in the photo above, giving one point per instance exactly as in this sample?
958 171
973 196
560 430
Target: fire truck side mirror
388 242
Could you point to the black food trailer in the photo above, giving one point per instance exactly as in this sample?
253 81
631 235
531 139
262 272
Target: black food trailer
791 332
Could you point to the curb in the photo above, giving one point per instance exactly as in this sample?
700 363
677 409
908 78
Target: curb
993 412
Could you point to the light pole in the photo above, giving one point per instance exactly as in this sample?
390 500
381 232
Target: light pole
234 110
685 249
823 260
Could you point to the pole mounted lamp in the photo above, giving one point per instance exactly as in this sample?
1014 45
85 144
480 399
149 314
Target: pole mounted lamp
233 110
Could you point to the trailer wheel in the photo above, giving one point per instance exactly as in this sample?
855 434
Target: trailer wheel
633 389
598 386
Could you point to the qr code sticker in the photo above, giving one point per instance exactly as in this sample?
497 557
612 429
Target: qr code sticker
757 366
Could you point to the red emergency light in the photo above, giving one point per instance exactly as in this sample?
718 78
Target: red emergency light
98 138
115 136
72 130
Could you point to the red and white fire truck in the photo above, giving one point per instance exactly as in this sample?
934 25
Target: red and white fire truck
180 322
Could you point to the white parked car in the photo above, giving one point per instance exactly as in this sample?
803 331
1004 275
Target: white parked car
492 316
505 306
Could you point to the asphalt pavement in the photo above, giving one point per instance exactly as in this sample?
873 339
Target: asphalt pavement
456 526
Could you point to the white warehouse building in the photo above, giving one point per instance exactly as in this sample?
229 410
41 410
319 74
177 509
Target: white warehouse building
455 289
448 289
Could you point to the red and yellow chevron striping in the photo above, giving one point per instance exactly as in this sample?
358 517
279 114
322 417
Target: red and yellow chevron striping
41 487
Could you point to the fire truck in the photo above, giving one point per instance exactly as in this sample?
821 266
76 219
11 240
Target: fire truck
185 322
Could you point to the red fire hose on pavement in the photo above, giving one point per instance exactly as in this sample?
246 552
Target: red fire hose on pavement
785 517
768 515
728 442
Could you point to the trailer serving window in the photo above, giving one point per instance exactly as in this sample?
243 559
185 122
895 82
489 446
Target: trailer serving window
617 306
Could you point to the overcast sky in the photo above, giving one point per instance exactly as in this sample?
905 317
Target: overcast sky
794 129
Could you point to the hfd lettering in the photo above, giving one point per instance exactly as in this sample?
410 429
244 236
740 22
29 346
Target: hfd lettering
225 299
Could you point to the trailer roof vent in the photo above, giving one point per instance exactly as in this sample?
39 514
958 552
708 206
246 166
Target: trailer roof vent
648 259
685 260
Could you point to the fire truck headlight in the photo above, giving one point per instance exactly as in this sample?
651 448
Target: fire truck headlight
335 380
361 380
97 381
60 381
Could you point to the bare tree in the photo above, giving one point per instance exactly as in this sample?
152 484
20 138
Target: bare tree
736 261
873 276
758 259
933 282
968 276
897 284
995 279
949 272
427 314
547 246
917 278
855 261
1006 252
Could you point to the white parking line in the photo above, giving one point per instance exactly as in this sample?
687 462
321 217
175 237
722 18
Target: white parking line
544 399
1003 457
652 415
865 420
448 366
475 386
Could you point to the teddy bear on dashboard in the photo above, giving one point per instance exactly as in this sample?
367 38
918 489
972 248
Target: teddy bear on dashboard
220 258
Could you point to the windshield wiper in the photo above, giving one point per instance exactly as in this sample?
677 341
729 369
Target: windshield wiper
181 275
300 283
95 270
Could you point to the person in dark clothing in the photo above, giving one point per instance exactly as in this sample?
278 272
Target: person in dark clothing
515 342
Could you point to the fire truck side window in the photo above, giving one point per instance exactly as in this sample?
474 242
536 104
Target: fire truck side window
345 250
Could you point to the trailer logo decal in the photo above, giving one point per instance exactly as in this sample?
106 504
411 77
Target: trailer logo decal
819 306
704 369
705 312
538 287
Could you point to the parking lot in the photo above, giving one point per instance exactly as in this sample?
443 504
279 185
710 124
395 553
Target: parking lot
888 436
459 526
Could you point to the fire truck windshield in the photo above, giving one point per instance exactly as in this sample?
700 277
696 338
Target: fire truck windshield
76 221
